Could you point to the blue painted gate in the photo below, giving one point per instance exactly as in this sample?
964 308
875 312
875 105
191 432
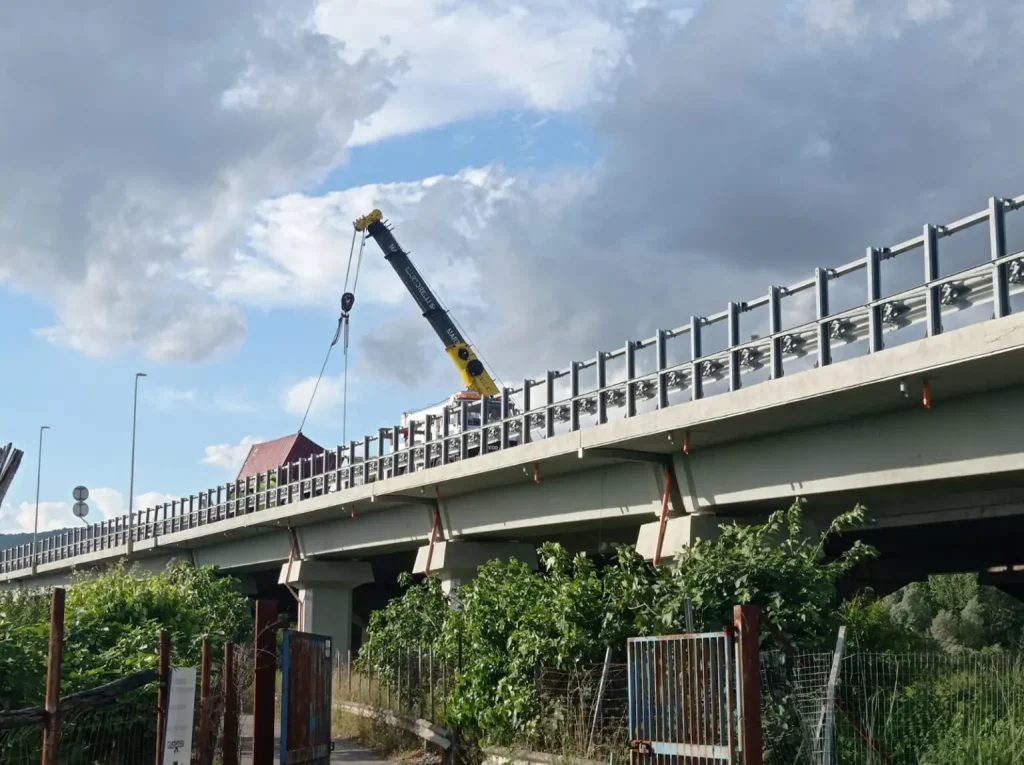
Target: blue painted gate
682 699
305 699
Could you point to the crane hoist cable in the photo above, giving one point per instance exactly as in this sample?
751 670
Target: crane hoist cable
348 300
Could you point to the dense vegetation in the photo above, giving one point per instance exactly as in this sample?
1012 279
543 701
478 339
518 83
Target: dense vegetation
510 621
112 626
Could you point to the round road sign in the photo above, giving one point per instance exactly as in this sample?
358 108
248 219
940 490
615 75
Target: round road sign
80 493
80 509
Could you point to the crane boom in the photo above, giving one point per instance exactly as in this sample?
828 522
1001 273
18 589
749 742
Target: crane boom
474 375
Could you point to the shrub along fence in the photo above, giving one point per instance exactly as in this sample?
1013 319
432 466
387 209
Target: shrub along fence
122 722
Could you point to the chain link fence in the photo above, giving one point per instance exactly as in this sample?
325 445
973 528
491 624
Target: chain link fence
114 724
893 709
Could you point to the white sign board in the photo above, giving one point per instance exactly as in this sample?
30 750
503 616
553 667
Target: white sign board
181 707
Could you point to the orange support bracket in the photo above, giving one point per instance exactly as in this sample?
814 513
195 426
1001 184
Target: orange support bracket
663 519
926 393
656 458
435 529
292 552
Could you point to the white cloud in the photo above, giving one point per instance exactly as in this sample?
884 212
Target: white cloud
298 246
135 146
111 503
744 149
329 395
477 56
229 456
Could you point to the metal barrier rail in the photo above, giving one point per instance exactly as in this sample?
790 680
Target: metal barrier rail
352 465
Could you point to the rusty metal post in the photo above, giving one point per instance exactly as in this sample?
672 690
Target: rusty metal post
230 754
265 683
748 629
54 664
206 668
164 668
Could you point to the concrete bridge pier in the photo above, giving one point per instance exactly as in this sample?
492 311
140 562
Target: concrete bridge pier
457 562
325 597
680 531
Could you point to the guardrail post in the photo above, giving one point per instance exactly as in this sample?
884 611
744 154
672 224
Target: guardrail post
503 434
746 620
774 328
630 357
933 308
602 383
574 396
525 435
54 664
733 330
661 353
463 429
873 259
822 312
549 413
410 444
696 376
997 241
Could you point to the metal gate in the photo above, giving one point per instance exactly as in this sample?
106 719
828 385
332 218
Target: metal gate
682 699
305 699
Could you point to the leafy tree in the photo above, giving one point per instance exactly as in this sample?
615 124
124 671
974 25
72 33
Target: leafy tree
112 625
512 621
959 614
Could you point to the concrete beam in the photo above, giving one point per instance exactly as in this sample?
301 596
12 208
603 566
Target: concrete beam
458 562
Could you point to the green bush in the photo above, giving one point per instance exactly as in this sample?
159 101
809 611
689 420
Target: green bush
112 624
511 621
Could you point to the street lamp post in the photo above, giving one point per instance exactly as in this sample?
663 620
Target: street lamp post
39 476
131 481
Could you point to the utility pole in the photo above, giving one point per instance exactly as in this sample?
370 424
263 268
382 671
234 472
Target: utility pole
131 480
39 476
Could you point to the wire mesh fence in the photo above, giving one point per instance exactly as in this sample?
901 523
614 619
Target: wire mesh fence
894 709
239 700
578 712
583 712
416 684
115 731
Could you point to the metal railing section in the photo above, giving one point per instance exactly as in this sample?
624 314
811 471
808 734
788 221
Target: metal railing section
375 457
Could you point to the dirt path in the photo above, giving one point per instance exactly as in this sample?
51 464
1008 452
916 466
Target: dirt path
345 749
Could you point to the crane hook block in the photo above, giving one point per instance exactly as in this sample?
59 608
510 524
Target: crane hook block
347 301
361 224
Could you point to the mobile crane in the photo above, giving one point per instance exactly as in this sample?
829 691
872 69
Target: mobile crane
481 391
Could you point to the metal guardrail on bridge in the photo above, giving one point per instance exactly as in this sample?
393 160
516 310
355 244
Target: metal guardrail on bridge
368 460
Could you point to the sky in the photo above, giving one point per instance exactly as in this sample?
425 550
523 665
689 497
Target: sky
179 182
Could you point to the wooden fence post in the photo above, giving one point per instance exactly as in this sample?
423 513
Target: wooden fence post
748 629
54 664
205 707
230 754
265 683
163 689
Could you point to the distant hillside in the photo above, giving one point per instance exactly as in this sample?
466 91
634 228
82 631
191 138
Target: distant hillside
13 540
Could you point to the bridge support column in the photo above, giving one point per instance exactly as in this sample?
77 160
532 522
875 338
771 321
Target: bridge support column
680 531
457 562
325 597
